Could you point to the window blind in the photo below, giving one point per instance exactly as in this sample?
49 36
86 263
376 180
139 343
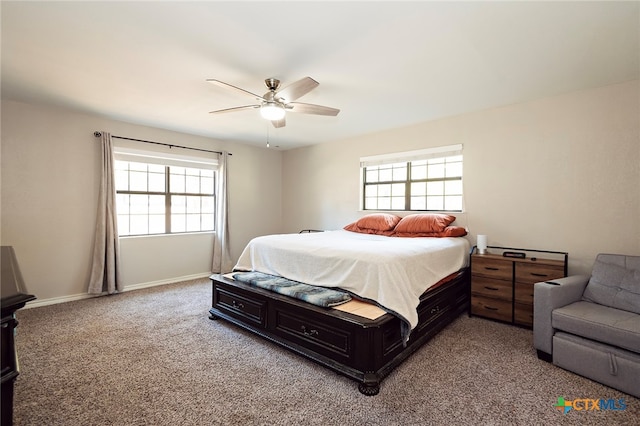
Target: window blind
165 158
403 157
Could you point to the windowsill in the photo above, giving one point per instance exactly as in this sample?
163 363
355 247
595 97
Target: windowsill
127 237
414 211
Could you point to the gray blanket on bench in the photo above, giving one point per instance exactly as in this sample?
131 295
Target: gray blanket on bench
319 296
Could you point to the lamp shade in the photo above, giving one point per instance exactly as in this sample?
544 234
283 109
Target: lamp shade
272 111
482 244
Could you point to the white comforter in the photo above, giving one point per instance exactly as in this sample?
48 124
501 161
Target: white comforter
391 271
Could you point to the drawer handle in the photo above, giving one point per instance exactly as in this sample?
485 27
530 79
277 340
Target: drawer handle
310 333
491 288
237 305
539 275
491 268
490 308
435 310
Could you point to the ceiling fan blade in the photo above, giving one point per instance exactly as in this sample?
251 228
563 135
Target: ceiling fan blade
227 85
312 109
240 108
279 123
297 89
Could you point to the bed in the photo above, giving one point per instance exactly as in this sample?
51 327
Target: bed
404 281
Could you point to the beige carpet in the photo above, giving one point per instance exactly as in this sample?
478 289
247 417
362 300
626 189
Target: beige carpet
152 357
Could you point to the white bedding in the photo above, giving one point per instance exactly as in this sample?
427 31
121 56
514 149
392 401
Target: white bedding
392 271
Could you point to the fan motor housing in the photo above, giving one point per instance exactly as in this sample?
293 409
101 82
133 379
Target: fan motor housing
272 84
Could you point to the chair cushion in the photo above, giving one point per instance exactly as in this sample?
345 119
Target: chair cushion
615 282
601 323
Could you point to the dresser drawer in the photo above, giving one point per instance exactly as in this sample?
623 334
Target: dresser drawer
237 303
536 272
492 268
318 335
524 293
490 287
502 287
491 308
523 314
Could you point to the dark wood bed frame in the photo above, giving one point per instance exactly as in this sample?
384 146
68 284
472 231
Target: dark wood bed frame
361 349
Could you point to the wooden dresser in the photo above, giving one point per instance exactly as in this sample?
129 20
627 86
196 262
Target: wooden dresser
502 287
14 297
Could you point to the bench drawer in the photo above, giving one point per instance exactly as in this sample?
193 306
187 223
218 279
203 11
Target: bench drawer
317 335
240 304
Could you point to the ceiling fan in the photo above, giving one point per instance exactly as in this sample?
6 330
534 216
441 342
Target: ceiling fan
275 103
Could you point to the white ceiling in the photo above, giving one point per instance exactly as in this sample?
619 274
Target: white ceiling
383 64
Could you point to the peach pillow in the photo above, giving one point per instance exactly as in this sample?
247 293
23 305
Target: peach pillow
376 223
449 231
424 222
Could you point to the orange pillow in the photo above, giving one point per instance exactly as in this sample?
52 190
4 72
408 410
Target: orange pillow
424 222
376 223
449 231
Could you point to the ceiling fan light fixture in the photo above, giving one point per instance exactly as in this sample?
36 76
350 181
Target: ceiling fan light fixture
275 104
272 111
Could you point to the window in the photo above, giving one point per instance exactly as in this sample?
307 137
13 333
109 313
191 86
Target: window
156 198
424 180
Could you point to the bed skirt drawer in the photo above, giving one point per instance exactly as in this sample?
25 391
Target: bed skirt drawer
319 335
244 306
435 308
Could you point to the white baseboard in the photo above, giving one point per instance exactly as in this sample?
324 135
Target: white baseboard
63 299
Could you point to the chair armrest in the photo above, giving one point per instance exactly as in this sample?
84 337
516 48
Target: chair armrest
548 296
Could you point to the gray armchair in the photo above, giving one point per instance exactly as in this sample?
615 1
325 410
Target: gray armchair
590 325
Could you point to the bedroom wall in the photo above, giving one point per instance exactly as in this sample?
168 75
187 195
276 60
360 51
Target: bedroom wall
50 175
560 173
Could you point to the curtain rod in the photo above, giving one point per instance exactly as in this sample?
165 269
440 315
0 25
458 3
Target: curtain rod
97 134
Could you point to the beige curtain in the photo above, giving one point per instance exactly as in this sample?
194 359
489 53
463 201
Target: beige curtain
221 258
105 270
